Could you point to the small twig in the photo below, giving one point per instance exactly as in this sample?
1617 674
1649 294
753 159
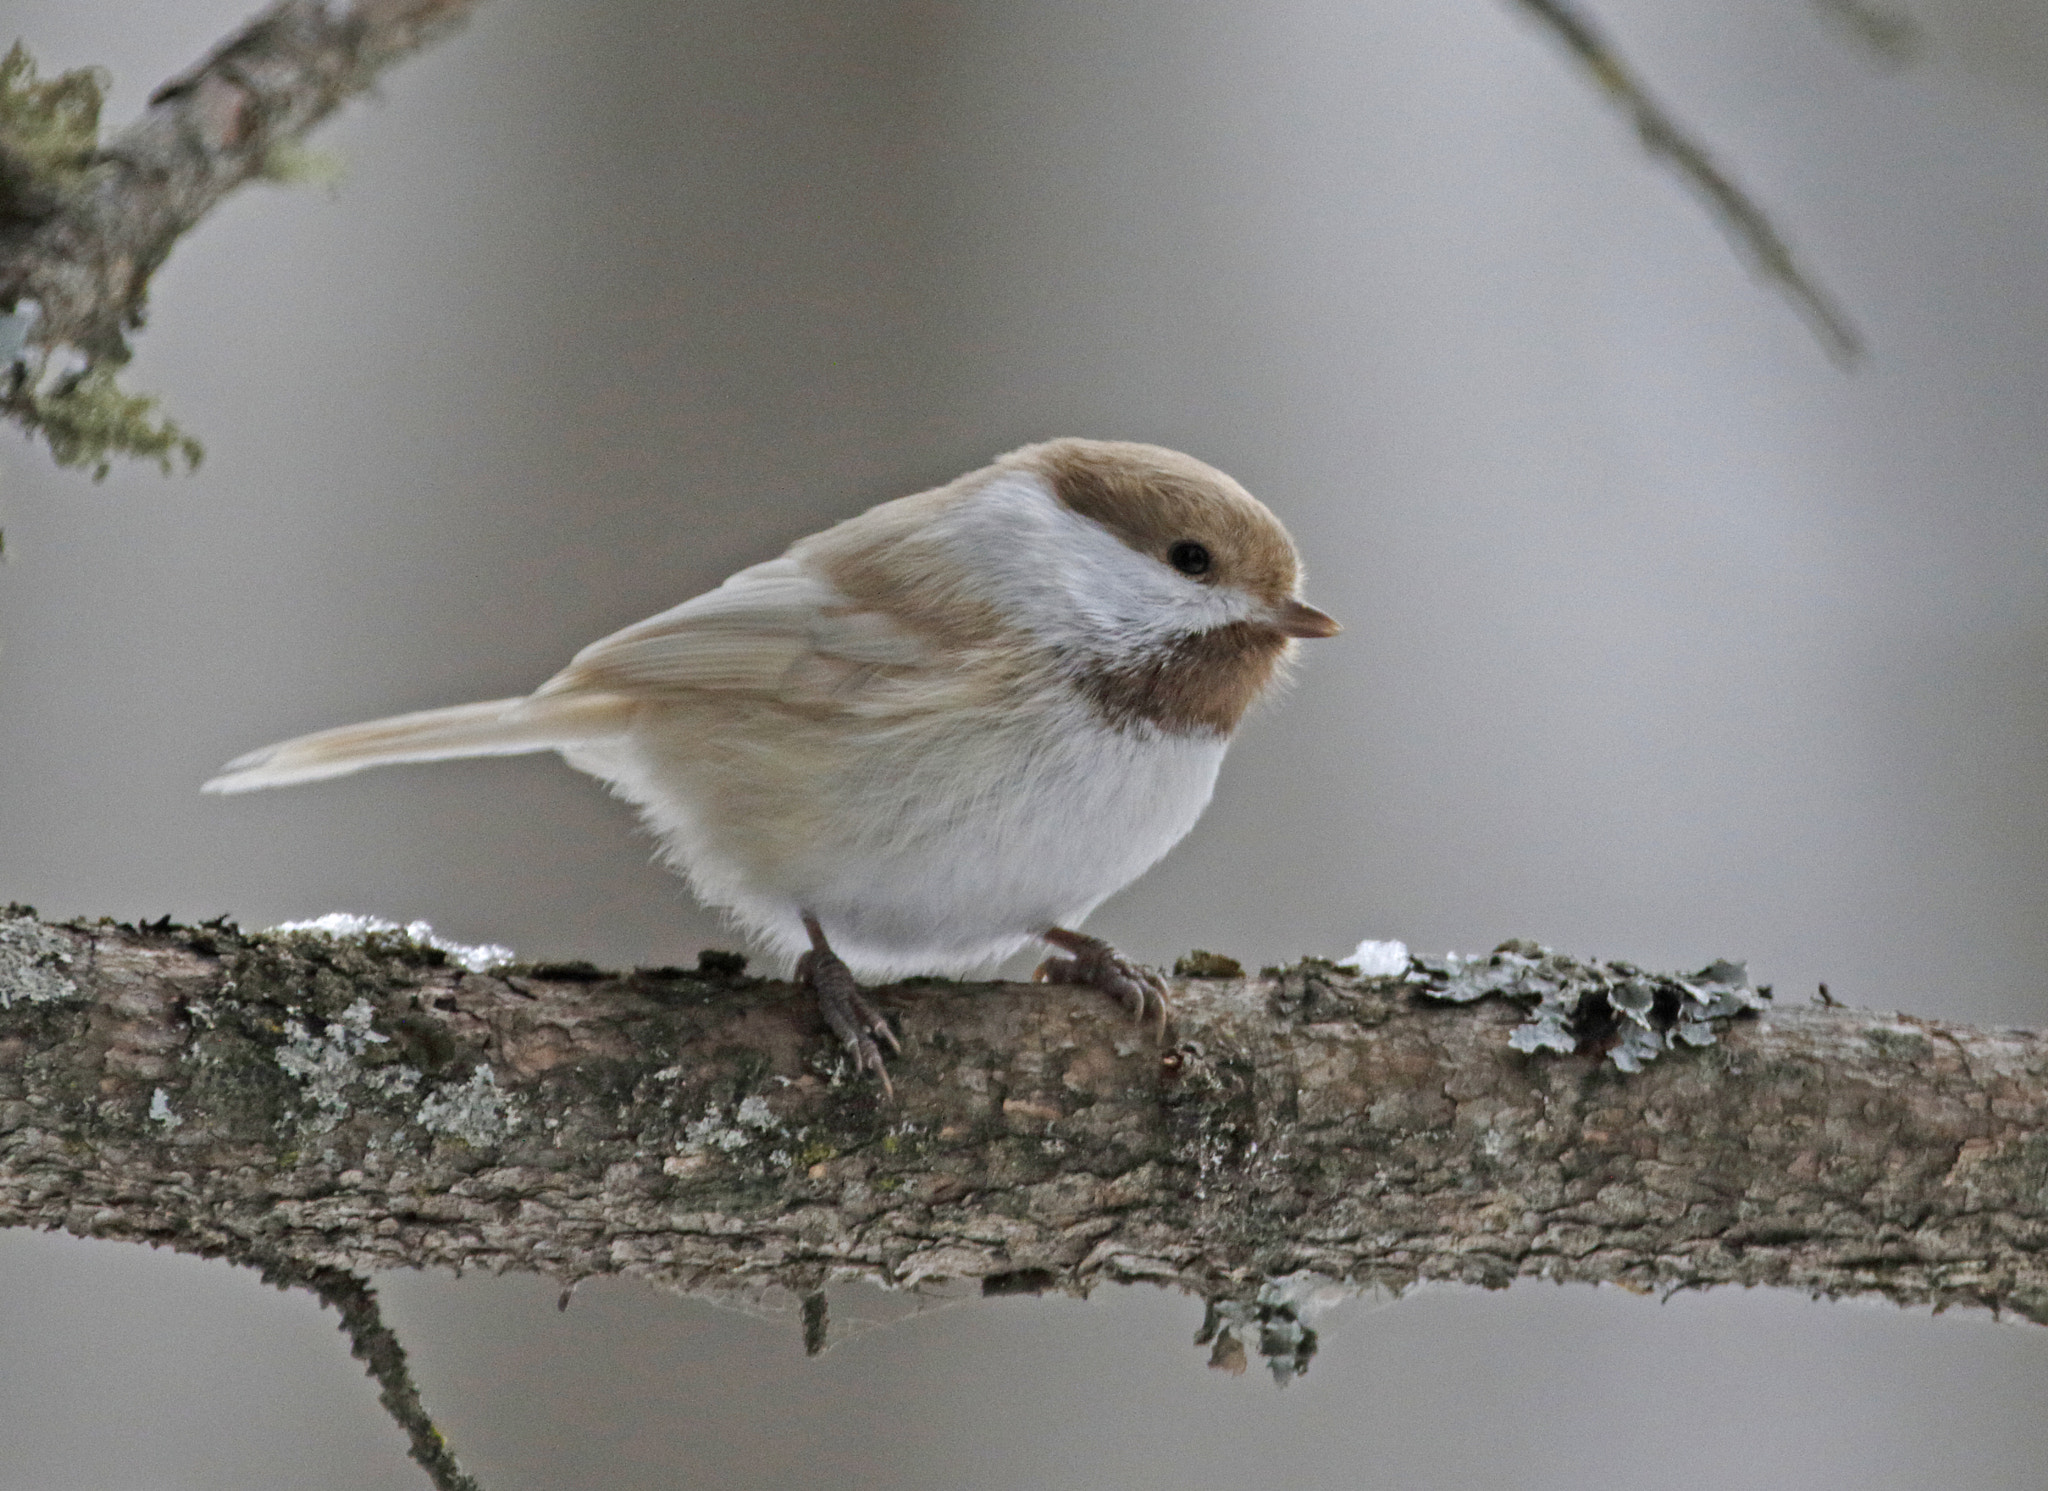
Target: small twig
1743 218
817 1322
373 1343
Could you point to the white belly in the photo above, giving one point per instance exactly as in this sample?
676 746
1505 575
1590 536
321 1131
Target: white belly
928 845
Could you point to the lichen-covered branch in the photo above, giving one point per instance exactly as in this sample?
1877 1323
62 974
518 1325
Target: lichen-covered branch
1744 219
358 1104
374 1344
84 223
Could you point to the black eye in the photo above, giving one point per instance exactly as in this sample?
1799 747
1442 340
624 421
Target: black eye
1189 557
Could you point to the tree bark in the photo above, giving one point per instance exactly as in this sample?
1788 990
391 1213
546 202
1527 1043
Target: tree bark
363 1103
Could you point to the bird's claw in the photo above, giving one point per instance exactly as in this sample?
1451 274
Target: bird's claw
858 1024
1094 963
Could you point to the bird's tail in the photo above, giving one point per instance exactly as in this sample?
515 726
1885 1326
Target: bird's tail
496 727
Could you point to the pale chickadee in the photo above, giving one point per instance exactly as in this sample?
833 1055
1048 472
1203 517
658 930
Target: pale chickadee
934 732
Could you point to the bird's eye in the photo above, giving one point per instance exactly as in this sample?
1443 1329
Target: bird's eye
1189 557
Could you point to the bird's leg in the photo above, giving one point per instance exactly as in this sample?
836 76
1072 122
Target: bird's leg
1093 962
852 1018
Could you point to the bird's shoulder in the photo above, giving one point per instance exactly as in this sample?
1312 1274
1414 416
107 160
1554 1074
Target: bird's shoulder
783 630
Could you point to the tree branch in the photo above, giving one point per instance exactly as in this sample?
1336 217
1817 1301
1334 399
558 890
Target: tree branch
82 229
357 1104
1743 218
373 1343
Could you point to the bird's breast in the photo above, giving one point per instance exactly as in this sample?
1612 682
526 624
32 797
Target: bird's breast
988 836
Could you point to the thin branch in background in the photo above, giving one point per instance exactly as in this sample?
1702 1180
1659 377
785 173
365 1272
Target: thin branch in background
1662 136
1889 33
372 1342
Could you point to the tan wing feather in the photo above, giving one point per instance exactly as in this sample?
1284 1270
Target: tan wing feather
774 631
764 631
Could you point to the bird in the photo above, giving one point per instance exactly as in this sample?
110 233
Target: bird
929 735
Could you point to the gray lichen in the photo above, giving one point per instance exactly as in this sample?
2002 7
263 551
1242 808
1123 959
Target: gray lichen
160 1110
33 960
478 1112
719 1133
1635 1016
1276 1322
327 1063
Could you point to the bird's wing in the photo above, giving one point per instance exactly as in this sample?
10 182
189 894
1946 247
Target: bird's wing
774 630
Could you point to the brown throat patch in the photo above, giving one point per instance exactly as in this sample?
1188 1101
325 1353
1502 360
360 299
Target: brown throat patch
1198 685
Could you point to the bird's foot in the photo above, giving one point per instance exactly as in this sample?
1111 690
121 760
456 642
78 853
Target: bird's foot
1093 962
858 1024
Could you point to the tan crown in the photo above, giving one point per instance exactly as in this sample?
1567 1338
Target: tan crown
1152 498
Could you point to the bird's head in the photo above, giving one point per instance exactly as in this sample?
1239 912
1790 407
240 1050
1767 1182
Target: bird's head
1165 547
1164 591
1169 589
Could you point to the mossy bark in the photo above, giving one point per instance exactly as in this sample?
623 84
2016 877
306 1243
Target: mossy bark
364 1104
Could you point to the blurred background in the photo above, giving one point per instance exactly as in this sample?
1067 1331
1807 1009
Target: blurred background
1666 640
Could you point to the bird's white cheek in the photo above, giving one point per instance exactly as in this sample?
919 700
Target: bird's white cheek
1070 582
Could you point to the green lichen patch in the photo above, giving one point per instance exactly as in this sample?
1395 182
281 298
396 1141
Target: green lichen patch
47 127
49 146
230 1072
1633 1016
1201 964
89 419
295 163
316 979
1898 1045
309 1028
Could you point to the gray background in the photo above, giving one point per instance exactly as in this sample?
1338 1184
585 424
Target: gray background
1666 641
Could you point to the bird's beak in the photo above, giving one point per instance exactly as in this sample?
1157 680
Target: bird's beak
1299 619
